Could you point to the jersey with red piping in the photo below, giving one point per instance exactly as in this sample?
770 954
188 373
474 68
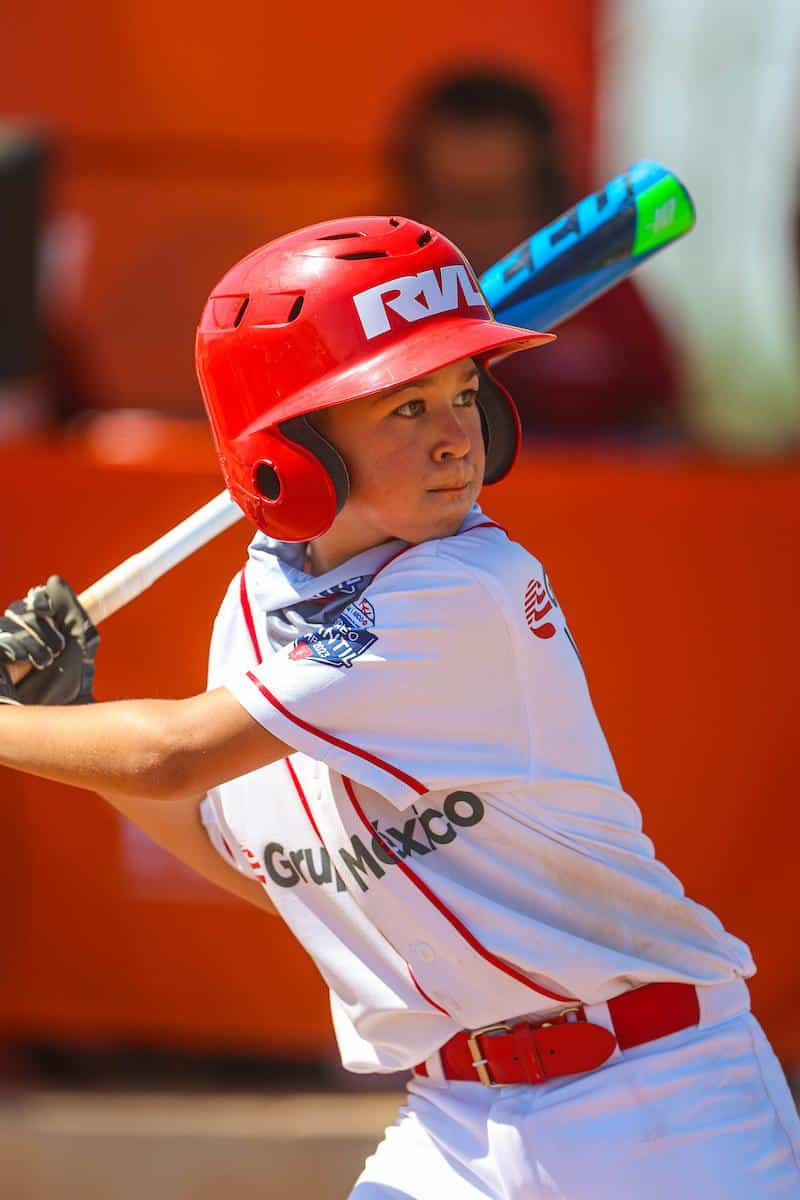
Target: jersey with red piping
450 841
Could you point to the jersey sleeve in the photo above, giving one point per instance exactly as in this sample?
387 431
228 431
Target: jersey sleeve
413 689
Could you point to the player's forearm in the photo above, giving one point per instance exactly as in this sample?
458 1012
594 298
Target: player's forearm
120 748
164 749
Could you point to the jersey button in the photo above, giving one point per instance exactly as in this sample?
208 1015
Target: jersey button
424 951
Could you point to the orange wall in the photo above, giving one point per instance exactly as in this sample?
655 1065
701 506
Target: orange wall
192 133
680 584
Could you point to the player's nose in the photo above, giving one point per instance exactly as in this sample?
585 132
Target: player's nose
452 435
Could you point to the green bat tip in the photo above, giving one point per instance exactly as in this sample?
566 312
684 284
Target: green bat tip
664 212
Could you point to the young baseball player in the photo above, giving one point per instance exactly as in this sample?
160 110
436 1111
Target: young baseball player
398 748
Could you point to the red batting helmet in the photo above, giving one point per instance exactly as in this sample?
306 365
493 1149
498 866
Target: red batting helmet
331 313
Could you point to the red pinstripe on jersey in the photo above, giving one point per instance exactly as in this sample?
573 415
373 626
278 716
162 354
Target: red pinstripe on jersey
248 620
485 525
298 787
307 808
408 780
248 614
443 909
424 994
390 559
405 549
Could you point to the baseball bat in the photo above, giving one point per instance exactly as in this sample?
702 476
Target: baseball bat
608 234
538 285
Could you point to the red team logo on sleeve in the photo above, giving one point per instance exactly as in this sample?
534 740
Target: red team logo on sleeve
537 605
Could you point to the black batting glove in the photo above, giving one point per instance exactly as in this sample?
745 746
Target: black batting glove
52 633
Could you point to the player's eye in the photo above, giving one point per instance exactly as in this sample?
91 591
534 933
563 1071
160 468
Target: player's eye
416 407
411 408
467 398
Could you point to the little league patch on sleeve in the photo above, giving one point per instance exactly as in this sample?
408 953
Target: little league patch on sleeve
340 644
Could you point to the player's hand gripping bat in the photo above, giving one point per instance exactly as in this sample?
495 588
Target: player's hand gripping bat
541 283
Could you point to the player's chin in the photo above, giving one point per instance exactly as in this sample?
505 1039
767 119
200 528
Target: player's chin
444 509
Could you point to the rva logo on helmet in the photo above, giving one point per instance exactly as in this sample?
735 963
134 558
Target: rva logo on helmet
340 644
413 297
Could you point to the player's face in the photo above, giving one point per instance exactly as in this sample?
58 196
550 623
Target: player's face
415 456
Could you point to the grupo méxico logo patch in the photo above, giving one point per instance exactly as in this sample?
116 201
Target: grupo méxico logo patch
340 644
366 860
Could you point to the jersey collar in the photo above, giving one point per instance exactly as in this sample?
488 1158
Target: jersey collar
277 580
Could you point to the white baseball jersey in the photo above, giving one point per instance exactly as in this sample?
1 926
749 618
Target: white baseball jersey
451 842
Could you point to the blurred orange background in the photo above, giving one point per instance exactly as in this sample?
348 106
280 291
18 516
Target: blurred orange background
187 139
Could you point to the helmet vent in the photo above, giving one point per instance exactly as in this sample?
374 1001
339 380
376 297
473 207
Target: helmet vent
237 320
424 238
394 221
294 311
357 254
338 237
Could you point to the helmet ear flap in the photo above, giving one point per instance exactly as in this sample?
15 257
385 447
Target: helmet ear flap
500 426
292 491
300 430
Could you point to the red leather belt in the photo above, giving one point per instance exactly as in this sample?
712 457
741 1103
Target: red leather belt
567 1043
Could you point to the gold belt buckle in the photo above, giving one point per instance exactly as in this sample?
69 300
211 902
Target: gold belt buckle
481 1064
478 1061
561 1016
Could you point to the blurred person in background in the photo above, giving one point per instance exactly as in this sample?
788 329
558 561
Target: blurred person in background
482 155
42 382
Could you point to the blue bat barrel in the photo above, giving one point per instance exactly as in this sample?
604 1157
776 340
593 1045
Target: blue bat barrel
580 255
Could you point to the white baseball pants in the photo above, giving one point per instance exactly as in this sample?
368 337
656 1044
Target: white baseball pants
704 1114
